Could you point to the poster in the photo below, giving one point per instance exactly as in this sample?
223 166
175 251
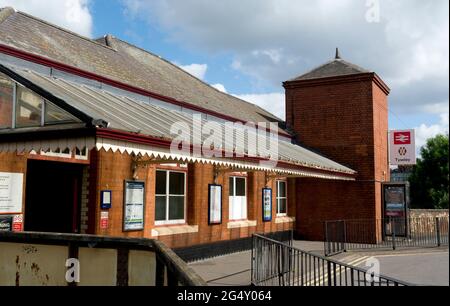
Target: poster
395 209
215 204
134 206
17 223
11 188
402 150
267 204
104 220
395 203
106 196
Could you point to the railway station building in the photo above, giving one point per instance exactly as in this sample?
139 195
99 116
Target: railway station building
87 130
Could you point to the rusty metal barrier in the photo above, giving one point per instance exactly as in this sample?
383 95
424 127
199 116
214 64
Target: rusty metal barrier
47 259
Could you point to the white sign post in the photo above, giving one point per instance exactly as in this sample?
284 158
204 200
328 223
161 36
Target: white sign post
11 188
402 148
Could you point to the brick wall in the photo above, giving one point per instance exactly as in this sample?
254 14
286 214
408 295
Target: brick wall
428 213
346 119
109 170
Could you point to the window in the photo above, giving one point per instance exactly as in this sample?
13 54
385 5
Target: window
170 197
6 102
281 198
238 198
29 108
55 115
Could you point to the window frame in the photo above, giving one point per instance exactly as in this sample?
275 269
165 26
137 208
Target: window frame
13 105
278 198
168 195
235 177
43 110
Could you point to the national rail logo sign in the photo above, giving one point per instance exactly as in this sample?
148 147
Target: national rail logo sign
402 148
402 138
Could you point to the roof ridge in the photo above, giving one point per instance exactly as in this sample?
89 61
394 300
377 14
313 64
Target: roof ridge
64 30
312 70
359 69
193 76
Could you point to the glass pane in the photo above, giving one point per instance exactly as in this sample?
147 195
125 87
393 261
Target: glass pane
160 210
281 190
240 187
54 114
231 184
176 183
161 182
176 208
282 207
28 108
6 102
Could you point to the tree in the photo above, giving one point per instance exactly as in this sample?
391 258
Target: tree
430 177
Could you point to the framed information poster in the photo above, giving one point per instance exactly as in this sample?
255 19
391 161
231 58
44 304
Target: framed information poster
395 196
267 204
215 204
134 206
11 187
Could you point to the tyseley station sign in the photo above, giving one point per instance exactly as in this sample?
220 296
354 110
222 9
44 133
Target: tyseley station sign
402 148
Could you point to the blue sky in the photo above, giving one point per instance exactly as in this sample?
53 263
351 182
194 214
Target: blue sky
249 47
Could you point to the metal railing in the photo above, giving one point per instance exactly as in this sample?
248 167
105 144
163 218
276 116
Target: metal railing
277 264
391 233
40 259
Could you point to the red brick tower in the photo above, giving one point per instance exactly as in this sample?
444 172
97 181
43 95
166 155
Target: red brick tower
341 111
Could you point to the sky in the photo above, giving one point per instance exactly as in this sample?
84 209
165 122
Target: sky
247 48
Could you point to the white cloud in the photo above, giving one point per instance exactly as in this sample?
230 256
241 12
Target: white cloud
71 14
220 87
273 102
275 40
197 70
424 132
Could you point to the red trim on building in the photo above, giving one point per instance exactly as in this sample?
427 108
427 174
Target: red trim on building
92 76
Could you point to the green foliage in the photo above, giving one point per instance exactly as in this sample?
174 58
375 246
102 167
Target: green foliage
430 177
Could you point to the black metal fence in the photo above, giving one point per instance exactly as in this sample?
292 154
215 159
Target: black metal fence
391 233
277 264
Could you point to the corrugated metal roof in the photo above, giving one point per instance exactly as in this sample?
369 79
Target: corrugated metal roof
135 116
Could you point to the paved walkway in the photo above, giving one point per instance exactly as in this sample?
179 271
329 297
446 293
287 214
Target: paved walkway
234 269
417 266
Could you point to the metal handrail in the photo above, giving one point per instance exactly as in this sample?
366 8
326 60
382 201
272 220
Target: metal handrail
178 271
329 262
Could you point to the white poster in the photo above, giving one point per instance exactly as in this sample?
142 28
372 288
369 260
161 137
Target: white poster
134 206
402 149
215 204
11 188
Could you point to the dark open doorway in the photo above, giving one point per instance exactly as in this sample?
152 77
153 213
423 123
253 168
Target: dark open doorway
53 197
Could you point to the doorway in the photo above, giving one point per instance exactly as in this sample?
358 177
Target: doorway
52 202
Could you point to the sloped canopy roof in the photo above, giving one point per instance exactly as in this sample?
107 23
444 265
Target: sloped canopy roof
141 118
